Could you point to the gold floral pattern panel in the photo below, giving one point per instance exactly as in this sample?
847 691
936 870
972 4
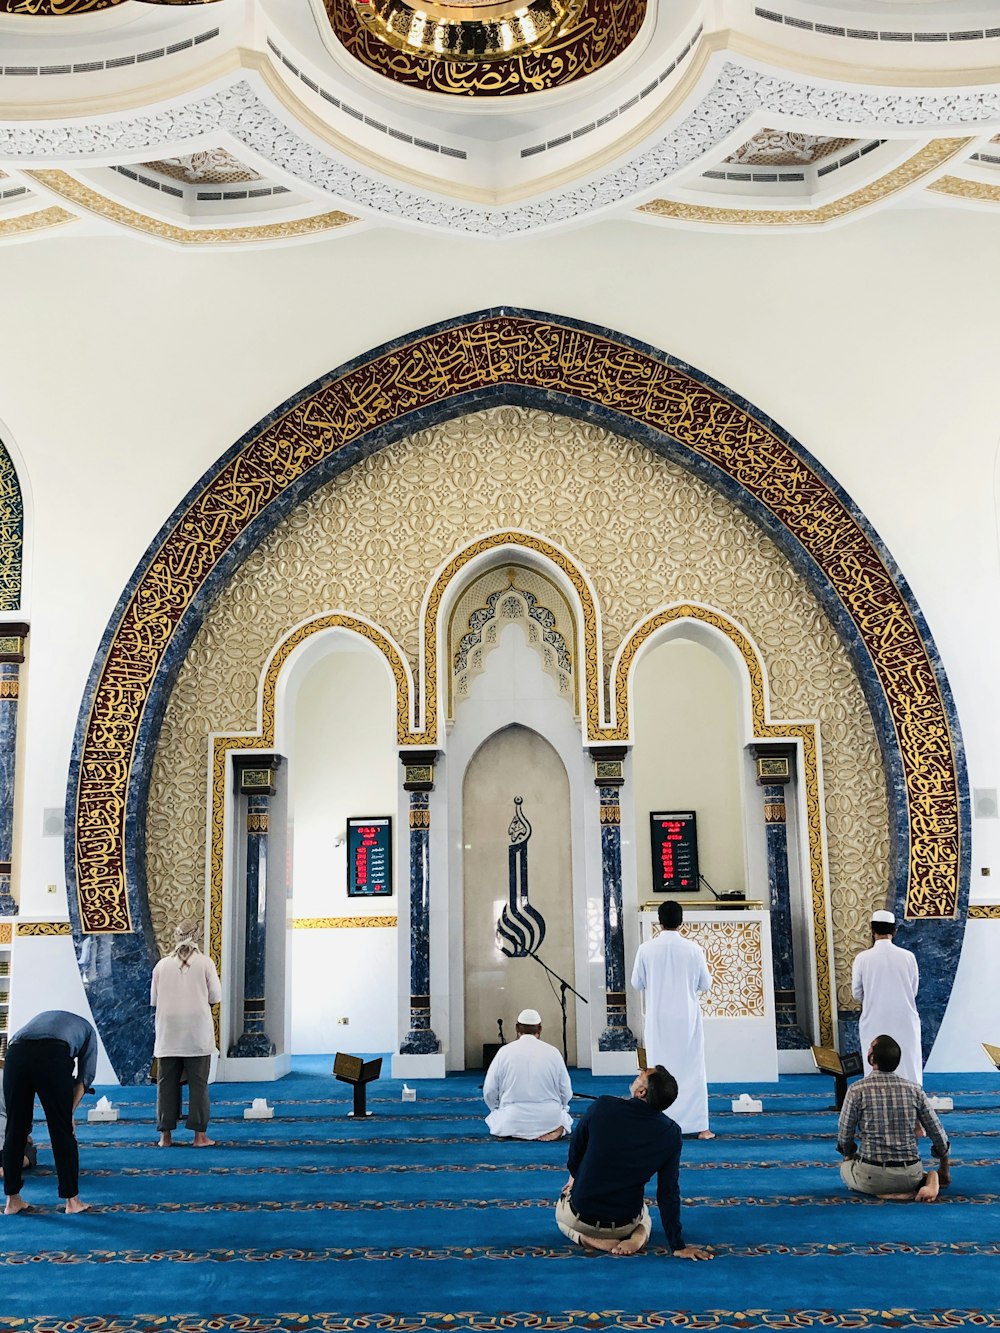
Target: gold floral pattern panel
650 534
735 959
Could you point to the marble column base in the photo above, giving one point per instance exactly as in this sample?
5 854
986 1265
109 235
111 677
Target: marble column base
8 907
790 1037
419 1041
251 1046
617 1039
847 1031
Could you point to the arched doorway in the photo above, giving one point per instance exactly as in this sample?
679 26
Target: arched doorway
518 890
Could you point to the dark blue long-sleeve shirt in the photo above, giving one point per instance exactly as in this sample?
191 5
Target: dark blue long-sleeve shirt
76 1032
618 1144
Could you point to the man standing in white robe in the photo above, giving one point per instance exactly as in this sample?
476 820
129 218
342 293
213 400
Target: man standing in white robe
885 979
527 1087
672 971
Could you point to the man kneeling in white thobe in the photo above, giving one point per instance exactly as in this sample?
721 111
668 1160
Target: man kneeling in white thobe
527 1087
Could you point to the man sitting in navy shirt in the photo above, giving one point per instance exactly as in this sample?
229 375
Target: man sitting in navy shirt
617 1146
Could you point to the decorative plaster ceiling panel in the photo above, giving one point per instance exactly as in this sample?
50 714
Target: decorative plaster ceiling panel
214 167
67 187
784 148
928 159
737 94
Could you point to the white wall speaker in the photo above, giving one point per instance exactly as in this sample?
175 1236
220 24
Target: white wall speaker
984 802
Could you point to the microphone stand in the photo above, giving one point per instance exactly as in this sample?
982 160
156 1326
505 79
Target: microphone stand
737 897
564 986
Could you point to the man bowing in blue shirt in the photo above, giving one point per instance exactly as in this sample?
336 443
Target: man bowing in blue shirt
55 1057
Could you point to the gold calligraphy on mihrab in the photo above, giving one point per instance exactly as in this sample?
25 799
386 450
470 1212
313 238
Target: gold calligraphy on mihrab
510 349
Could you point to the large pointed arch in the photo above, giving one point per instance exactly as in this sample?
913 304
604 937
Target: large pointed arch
488 358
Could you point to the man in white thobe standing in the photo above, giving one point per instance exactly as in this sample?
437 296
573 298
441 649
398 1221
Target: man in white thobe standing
672 971
885 979
527 1087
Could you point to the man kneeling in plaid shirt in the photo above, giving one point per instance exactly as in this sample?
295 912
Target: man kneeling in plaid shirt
885 1110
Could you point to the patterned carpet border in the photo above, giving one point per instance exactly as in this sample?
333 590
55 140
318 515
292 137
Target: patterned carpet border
450 1168
439 1253
500 1205
780 1321
408 1141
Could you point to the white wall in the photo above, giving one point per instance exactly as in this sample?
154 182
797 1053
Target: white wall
342 763
127 368
688 755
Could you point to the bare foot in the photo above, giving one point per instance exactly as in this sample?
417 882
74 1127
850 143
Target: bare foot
706 1134
928 1191
630 1246
15 1204
166 1140
76 1205
592 1243
203 1141
553 1135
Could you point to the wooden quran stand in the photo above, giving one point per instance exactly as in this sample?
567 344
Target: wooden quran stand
352 1069
828 1061
993 1052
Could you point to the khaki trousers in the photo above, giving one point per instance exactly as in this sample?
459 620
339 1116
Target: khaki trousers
868 1179
574 1228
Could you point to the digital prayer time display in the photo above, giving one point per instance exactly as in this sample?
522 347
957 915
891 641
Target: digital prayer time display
674 841
369 858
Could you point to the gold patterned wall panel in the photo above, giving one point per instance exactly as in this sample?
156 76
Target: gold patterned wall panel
735 959
649 534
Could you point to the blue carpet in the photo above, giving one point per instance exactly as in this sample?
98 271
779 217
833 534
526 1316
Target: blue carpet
415 1220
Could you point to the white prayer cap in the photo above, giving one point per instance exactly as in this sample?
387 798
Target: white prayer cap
529 1018
883 919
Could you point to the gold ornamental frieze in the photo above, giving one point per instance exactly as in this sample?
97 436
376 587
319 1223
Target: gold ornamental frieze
344 923
634 386
485 50
40 929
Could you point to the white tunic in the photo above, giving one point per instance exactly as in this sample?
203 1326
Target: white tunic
182 996
672 971
527 1090
885 979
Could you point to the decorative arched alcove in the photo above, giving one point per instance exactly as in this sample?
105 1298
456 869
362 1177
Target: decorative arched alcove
492 358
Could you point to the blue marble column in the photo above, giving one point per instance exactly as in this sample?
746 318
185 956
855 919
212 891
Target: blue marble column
609 777
257 784
419 782
773 773
11 657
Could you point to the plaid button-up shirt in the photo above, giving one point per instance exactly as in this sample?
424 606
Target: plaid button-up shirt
885 1109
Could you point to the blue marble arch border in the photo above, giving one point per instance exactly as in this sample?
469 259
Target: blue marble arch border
118 984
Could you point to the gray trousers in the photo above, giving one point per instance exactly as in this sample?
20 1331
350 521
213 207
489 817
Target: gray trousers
169 1069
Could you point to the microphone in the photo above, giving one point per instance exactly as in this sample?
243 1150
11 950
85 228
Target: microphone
736 896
